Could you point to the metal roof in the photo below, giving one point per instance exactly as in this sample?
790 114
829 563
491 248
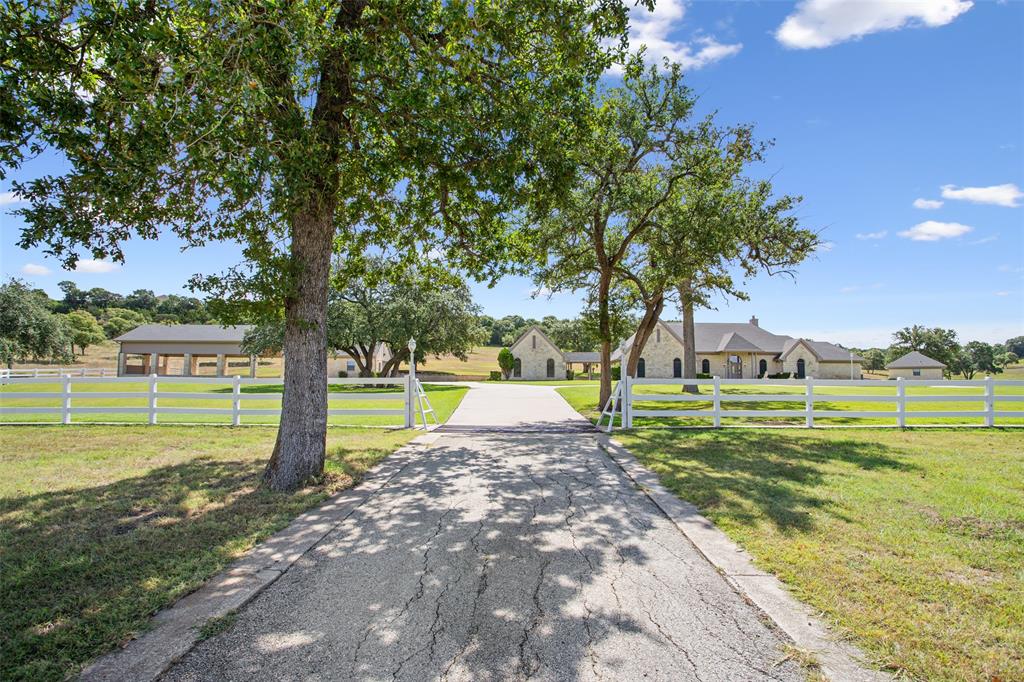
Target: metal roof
204 333
915 360
577 356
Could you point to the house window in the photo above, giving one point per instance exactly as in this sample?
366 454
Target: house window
762 368
641 369
677 368
517 368
551 368
705 366
917 372
350 366
801 369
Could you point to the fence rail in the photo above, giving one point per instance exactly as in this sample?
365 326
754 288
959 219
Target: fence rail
630 391
36 372
412 396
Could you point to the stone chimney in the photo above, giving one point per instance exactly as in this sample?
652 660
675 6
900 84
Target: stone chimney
753 320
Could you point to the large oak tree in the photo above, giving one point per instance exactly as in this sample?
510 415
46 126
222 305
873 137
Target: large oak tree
292 128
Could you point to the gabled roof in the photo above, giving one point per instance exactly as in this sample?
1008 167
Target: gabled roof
709 337
736 342
205 333
823 351
576 356
915 360
536 328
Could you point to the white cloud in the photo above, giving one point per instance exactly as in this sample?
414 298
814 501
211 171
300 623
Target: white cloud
1010 268
998 195
652 30
90 266
984 240
928 204
1002 293
933 231
872 235
821 23
33 269
825 247
859 287
8 198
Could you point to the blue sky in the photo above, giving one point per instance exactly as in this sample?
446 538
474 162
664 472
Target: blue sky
873 106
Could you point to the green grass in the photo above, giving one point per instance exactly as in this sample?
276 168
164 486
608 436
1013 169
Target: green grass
584 399
911 542
443 398
101 526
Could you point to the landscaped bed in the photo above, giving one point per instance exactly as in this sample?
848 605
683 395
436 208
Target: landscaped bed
911 542
101 526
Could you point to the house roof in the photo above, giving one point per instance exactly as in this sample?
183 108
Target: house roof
575 356
822 350
745 337
535 328
205 333
915 360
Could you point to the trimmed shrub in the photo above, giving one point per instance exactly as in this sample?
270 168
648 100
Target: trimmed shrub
617 373
701 375
495 376
570 374
781 375
342 374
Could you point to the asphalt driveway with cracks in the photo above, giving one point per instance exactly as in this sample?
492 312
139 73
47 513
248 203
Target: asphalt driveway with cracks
500 554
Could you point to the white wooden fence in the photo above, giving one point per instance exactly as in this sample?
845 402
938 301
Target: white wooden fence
413 397
35 372
630 391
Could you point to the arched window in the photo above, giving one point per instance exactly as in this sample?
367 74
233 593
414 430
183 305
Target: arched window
641 369
801 369
517 368
551 368
705 366
677 368
762 368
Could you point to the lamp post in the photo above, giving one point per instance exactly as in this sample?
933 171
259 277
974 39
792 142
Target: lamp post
412 358
851 365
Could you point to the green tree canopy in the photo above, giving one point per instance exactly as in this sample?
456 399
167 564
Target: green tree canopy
28 330
293 128
83 329
937 343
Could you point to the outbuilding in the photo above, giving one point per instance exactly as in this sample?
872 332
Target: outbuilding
185 350
915 365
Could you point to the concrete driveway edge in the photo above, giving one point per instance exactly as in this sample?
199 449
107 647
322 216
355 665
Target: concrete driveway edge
840 661
175 630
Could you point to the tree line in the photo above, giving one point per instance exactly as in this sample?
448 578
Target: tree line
966 360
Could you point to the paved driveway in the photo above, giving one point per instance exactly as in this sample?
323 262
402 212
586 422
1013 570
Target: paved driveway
500 554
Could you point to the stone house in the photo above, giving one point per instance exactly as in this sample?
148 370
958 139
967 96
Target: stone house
536 356
915 365
736 350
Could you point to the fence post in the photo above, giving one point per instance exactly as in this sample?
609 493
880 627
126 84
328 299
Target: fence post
990 402
716 403
410 397
152 398
35 372
236 401
66 401
809 402
901 403
627 402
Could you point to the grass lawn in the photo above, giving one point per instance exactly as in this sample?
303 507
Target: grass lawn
482 361
584 399
911 542
101 526
443 398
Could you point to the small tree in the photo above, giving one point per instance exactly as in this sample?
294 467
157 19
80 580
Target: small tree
117 321
84 329
27 327
874 359
506 362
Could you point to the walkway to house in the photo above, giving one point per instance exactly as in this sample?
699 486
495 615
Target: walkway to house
500 553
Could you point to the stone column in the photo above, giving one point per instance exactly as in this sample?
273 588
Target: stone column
220 364
152 369
186 365
252 366
122 360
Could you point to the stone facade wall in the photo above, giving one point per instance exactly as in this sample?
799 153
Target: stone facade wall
819 370
927 374
533 352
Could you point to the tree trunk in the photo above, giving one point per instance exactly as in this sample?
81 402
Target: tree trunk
652 313
689 340
302 437
605 332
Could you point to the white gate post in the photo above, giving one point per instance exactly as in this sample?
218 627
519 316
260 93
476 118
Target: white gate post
627 402
152 398
809 402
66 403
901 403
716 403
990 402
410 396
236 401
